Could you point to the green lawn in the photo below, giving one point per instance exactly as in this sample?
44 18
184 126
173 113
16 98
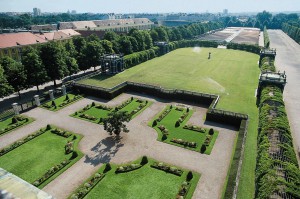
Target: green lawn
180 133
146 182
61 102
102 113
32 159
7 125
232 74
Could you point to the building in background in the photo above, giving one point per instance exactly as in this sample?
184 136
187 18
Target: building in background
225 12
37 12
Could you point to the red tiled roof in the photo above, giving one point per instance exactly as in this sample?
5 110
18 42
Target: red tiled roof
50 36
70 32
19 39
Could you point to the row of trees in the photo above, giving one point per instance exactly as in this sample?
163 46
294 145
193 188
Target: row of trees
293 30
56 60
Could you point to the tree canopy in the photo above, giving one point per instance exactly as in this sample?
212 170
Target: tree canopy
115 122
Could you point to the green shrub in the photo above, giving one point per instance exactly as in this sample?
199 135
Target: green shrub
14 120
67 97
74 137
189 176
48 127
107 167
144 160
53 103
177 124
74 155
188 110
164 137
154 123
203 148
211 131
93 104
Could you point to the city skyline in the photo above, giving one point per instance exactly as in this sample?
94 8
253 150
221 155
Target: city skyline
146 6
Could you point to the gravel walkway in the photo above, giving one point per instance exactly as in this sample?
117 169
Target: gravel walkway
100 148
287 59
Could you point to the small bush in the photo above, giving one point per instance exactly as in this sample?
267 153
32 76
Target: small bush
74 155
131 98
48 127
164 137
154 123
74 137
67 97
177 124
53 103
211 131
189 176
188 110
76 113
144 160
107 167
14 120
171 107
93 104
100 120
203 148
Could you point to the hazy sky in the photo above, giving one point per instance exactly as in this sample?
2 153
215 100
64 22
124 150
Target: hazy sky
151 6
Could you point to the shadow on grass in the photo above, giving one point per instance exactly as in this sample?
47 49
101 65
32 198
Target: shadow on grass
219 125
105 150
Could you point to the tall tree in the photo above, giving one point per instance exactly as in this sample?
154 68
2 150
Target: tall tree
35 70
148 39
111 36
92 53
115 122
107 45
125 45
15 74
53 57
5 88
139 36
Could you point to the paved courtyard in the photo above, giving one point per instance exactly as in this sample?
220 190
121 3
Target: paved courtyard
288 60
99 147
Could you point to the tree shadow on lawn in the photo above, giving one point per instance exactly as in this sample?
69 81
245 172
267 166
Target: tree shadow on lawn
105 150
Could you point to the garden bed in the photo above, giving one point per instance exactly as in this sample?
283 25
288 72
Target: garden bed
144 182
13 123
171 127
44 152
97 112
61 102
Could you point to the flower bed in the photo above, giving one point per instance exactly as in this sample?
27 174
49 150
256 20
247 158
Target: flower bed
127 168
169 169
184 143
183 190
123 104
208 140
103 107
20 142
50 173
61 132
60 102
163 129
88 186
85 116
194 128
17 121
163 114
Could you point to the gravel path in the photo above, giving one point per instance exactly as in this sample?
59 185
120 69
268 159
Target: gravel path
287 59
100 148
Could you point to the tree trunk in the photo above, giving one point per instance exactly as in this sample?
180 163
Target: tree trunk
19 94
54 83
37 87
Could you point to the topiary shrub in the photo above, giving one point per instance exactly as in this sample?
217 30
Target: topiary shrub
74 137
171 107
93 104
131 98
177 124
189 176
154 123
203 148
53 103
100 120
144 160
67 97
211 131
14 120
48 127
188 110
74 155
107 168
164 137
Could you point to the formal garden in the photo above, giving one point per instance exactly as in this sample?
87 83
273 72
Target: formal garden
96 112
143 178
172 128
61 102
12 123
41 156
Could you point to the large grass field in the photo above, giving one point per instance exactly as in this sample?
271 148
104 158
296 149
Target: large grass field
232 74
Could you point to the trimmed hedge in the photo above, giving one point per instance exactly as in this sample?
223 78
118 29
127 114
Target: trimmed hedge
184 143
245 47
266 38
169 169
17 121
127 168
140 57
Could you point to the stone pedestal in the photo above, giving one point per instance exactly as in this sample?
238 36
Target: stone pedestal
37 100
16 108
64 90
51 95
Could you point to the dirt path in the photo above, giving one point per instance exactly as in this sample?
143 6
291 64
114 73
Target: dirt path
100 148
287 59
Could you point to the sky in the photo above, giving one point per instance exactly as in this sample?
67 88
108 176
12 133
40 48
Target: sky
149 6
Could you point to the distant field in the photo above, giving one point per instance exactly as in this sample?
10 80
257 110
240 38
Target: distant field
232 74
